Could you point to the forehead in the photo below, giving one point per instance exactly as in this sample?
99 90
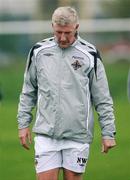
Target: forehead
64 28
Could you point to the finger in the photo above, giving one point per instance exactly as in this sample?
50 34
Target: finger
26 146
24 143
104 149
29 138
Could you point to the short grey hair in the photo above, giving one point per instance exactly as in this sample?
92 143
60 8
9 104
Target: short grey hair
65 15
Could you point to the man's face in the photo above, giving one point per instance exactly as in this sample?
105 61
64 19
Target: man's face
65 35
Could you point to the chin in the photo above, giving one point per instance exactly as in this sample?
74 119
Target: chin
64 46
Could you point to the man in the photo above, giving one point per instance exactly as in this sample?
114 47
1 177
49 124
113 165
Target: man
64 77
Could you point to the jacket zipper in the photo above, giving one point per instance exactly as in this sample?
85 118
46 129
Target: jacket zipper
56 128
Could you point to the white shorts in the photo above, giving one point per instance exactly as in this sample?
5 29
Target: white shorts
51 153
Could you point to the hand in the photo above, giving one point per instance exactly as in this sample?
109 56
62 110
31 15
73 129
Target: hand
107 144
25 137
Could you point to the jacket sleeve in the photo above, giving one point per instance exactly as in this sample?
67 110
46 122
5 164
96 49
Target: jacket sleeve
28 96
102 100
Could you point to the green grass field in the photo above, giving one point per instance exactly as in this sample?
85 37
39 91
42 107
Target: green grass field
18 164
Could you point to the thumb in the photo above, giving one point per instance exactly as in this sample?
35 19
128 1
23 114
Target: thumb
104 149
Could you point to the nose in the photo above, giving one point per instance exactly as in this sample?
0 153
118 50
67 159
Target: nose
63 37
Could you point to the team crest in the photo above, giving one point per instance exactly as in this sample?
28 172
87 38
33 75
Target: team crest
76 65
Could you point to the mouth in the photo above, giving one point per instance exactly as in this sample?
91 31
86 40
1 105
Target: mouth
63 44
